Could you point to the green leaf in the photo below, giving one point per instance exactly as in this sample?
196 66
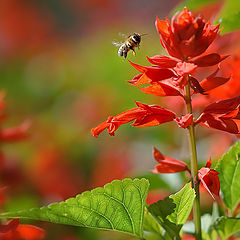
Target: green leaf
173 211
118 206
184 202
227 226
152 229
229 169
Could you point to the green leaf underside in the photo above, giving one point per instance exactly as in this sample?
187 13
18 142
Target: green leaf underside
227 226
118 206
229 169
173 211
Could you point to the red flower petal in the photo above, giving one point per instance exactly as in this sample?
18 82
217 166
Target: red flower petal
212 81
210 180
162 89
168 165
209 60
163 61
162 27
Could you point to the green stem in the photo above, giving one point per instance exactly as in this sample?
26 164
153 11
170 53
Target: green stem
194 167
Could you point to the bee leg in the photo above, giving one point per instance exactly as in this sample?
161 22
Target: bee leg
134 53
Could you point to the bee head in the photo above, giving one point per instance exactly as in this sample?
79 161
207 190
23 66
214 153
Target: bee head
136 37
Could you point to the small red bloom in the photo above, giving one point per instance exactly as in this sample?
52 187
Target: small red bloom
187 36
209 179
223 115
143 116
184 121
15 231
167 164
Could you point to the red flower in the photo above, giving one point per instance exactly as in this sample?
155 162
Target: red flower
187 36
15 133
184 121
209 179
223 115
15 231
143 116
167 164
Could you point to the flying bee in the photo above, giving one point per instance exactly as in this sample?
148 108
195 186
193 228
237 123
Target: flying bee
130 43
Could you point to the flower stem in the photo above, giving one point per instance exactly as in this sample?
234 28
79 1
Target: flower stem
194 167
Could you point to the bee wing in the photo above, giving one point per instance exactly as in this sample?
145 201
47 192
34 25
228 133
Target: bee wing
117 44
123 35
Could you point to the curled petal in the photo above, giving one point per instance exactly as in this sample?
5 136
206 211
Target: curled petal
184 121
210 180
209 60
162 89
163 61
167 164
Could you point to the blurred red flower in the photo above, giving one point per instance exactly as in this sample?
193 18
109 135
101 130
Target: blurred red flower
15 231
186 36
209 179
167 164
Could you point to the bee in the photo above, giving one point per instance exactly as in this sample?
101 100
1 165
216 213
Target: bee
130 43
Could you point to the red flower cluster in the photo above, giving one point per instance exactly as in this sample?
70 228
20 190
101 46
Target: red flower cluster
185 39
15 231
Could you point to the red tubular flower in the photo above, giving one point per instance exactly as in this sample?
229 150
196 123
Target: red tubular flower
143 116
167 164
15 231
223 115
187 36
209 179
